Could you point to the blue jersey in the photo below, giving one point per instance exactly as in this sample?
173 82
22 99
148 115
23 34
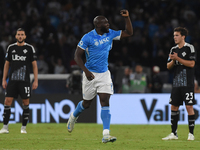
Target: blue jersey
97 49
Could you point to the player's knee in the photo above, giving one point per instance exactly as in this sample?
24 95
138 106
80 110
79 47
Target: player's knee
190 109
174 108
8 101
25 102
86 104
104 103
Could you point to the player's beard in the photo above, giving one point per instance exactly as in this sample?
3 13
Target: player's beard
104 30
20 41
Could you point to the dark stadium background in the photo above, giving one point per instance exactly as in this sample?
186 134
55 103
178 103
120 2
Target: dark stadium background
54 27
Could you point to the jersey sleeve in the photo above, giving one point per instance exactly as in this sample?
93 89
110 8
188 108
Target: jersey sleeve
168 60
33 54
192 55
8 54
84 42
116 34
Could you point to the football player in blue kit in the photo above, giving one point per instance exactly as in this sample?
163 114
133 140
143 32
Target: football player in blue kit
96 45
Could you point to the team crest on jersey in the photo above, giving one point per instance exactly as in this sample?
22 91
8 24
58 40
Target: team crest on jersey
81 43
184 53
25 51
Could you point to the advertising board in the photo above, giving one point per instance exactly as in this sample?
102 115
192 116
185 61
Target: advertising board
49 108
145 109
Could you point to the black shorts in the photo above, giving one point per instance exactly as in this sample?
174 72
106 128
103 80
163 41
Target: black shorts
15 88
180 94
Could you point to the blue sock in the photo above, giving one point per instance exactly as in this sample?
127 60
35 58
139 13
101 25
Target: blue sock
79 109
105 116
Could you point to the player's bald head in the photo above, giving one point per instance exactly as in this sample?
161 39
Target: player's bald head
98 19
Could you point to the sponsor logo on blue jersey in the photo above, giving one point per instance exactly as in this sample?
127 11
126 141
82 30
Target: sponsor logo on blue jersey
104 40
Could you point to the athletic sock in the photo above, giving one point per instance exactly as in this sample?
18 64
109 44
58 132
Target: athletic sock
25 115
79 109
174 121
105 116
191 123
6 114
5 127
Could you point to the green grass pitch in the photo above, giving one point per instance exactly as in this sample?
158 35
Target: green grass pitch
87 136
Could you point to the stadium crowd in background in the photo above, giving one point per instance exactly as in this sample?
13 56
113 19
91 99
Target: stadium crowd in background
54 28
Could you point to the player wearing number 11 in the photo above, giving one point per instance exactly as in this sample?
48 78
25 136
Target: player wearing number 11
19 57
182 60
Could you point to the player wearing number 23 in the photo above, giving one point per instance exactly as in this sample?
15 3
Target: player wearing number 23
182 60
19 58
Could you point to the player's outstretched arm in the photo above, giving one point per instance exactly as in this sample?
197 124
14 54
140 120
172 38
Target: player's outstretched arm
128 25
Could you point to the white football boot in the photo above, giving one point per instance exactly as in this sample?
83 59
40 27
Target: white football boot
4 130
71 122
108 138
171 136
190 137
23 130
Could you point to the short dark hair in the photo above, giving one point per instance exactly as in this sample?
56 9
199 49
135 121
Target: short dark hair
183 31
20 29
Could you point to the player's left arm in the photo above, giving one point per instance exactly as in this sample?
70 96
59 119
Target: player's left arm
35 72
187 63
5 74
128 25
